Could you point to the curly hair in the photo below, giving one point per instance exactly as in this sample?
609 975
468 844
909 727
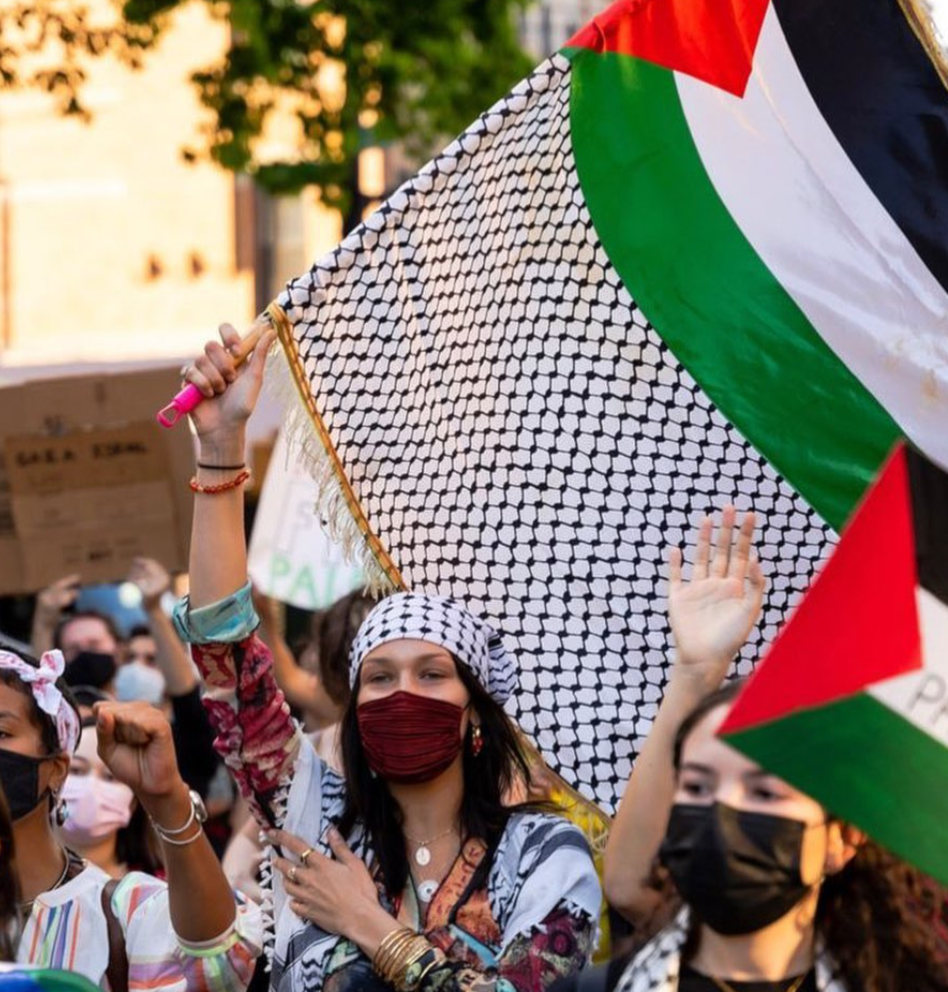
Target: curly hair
883 922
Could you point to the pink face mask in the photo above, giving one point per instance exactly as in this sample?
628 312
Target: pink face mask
96 808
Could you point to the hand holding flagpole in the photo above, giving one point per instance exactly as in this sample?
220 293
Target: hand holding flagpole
190 396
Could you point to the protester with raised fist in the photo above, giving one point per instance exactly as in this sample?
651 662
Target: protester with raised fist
138 932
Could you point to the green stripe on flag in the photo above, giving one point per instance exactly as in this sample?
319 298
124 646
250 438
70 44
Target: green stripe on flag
869 766
707 292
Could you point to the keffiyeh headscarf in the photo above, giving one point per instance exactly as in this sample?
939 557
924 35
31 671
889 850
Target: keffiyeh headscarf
42 682
440 621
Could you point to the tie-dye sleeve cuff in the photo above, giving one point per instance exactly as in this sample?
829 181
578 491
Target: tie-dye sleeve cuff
227 621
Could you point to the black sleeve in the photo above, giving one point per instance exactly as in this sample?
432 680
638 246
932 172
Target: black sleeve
193 741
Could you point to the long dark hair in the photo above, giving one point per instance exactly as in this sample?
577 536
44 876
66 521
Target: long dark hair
488 779
9 886
882 921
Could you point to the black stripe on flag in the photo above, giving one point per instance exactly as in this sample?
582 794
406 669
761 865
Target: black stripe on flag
885 102
929 494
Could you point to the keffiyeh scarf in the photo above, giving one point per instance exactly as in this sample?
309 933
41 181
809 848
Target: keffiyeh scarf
440 621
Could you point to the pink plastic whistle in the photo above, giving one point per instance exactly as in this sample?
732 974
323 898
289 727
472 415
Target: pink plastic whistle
191 397
183 403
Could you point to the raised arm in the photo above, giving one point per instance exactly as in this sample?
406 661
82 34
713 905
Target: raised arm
135 744
153 581
50 604
300 687
218 564
256 735
711 616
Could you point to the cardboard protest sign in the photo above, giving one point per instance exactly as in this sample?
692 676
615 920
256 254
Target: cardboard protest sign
290 556
88 481
851 703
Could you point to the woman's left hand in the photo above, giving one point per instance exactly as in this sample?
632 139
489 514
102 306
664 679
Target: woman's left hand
334 893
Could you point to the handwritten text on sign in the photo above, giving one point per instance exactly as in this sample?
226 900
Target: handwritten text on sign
290 556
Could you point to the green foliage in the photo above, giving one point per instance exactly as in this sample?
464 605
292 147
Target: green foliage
43 44
421 70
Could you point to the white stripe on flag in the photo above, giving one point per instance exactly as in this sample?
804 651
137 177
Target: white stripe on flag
824 235
921 697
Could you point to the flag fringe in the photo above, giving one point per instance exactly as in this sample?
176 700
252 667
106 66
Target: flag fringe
921 16
336 505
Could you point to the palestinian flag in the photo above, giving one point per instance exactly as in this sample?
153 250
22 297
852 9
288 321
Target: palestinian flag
851 703
698 256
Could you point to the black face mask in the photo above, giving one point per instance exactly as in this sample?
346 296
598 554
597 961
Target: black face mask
90 668
19 776
738 871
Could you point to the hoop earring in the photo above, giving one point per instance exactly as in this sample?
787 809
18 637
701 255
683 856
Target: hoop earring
477 739
61 813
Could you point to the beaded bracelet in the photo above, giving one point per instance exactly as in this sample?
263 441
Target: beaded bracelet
238 480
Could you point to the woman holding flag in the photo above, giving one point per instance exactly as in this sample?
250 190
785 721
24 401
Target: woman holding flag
409 870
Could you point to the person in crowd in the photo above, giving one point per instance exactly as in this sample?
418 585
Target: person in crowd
139 932
139 679
103 822
17 977
408 870
91 644
141 648
777 893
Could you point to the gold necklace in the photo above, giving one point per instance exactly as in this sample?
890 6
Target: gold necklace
422 854
726 987
427 887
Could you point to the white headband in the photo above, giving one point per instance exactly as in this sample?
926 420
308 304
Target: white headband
440 621
42 683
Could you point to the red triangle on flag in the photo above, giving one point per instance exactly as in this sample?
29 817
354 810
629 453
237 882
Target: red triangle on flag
712 40
858 624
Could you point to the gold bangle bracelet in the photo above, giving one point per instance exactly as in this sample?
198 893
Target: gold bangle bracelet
413 954
393 965
389 948
396 962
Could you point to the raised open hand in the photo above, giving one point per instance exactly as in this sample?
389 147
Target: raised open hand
57 597
712 614
152 579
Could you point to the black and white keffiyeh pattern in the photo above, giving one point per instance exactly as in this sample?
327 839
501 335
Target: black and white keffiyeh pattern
442 621
491 417
657 966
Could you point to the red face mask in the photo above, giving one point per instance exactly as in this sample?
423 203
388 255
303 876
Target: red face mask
409 738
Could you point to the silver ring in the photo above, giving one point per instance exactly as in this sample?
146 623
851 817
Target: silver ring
185 369
291 874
